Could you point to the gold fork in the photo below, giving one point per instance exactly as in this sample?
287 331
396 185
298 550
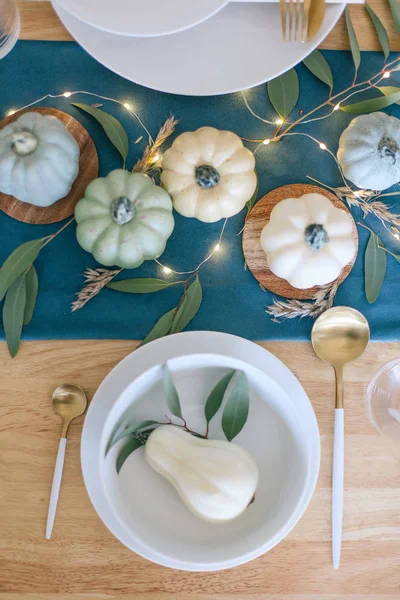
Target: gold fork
296 11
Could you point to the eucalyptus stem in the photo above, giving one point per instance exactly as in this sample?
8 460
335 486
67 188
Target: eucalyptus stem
185 428
51 237
329 102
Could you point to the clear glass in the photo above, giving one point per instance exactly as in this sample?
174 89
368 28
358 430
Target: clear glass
10 26
383 400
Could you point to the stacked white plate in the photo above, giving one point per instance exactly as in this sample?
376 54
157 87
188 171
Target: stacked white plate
195 47
143 510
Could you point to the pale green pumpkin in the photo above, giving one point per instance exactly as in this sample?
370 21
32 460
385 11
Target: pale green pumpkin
124 219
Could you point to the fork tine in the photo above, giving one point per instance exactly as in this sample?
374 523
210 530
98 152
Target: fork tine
283 18
291 11
297 20
306 10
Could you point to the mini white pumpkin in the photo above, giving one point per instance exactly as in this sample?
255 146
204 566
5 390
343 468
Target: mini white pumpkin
39 159
124 219
209 174
369 151
308 240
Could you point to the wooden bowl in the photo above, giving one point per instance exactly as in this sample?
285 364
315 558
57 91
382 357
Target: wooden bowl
88 170
256 258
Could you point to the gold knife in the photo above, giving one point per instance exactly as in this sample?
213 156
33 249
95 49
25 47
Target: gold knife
315 17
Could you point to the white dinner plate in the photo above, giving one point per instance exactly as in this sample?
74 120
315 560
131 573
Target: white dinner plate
239 47
125 389
142 17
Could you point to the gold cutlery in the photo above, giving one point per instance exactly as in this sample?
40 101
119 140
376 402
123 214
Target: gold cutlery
301 19
69 401
315 18
339 336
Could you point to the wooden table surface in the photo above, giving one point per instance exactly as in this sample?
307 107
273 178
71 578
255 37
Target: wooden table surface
39 22
84 561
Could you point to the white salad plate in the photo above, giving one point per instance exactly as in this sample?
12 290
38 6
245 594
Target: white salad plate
141 17
238 48
143 510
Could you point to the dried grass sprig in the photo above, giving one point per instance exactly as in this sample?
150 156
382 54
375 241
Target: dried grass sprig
151 156
291 309
95 281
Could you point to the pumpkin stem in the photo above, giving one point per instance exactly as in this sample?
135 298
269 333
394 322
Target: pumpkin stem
23 143
388 150
206 176
122 210
316 237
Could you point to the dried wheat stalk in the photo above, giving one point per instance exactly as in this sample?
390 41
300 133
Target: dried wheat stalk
291 309
150 158
95 280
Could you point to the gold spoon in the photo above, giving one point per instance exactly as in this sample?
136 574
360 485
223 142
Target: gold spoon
69 401
339 336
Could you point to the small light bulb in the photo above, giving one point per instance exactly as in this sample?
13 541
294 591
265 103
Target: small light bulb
336 107
11 112
67 94
266 142
127 106
356 193
279 122
157 157
167 270
386 75
322 146
217 247
397 236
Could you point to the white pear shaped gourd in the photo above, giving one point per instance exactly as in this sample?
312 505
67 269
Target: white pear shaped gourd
216 479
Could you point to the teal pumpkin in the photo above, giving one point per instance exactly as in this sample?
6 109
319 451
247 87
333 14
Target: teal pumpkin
124 219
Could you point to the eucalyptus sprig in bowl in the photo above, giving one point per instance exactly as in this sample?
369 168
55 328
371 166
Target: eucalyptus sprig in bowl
175 424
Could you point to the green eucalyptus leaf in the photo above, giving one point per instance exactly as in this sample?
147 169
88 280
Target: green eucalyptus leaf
317 64
131 446
148 426
236 409
355 48
367 106
162 327
387 90
283 92
32 288
395 8
171 394
216 396
250 203
380 30
374 267
139 286
188 306
112 128
17 263
13 314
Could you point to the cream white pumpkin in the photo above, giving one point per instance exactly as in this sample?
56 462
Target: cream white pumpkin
39 159
308 240
124 219
209 174
369 151
216 479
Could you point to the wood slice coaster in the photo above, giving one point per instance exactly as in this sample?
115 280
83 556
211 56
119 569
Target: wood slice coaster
255 257
88 170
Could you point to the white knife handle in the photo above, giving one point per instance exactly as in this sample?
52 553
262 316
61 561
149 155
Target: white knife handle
55 488
337 486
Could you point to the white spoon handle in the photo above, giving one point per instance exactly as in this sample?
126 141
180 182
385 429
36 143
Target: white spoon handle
337 486
55 488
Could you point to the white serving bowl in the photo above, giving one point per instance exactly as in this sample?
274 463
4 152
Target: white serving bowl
155 521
